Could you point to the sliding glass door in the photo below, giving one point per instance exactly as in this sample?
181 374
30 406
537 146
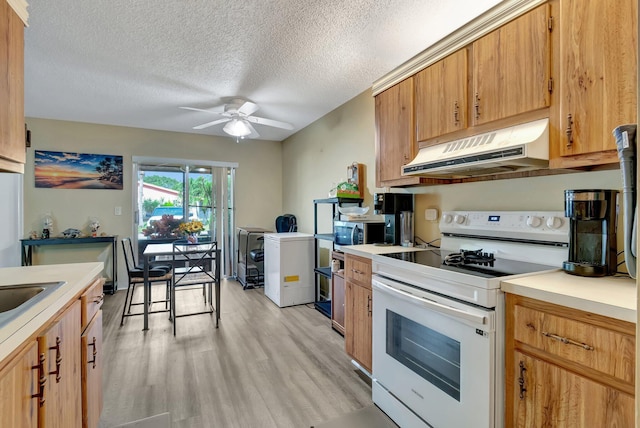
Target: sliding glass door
170 192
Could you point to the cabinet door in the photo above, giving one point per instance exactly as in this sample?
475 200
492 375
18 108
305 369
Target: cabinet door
441 97
18 384
555 397
61 346
598 74
12 139
511 68
362 310
92 358
394 131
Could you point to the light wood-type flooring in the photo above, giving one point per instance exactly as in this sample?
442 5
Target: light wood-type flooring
264 367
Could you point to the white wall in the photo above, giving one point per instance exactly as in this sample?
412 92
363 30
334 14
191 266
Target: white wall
258 180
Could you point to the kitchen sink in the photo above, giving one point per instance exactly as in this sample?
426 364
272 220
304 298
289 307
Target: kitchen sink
17 299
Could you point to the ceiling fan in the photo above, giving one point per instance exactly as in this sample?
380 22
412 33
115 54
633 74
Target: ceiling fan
238 116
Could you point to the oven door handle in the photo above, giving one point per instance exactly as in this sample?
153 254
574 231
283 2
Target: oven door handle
429 304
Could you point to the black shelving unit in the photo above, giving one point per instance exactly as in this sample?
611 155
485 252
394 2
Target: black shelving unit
323 302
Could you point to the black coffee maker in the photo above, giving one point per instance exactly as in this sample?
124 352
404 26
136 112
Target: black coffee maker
592 223
390 205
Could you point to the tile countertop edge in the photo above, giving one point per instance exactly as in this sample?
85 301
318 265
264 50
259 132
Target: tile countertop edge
613 297
368 250
76 275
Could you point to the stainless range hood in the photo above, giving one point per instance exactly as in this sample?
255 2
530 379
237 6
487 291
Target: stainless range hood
517 148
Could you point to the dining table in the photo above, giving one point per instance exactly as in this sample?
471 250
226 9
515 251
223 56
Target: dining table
162 251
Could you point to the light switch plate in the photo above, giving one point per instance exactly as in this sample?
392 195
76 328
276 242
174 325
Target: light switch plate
117 211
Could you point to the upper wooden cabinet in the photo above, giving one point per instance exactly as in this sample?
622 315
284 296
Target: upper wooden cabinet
441 97
394 131
12 128
597 67
511 68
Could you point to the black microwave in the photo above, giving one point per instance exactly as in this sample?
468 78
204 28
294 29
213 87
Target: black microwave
358 232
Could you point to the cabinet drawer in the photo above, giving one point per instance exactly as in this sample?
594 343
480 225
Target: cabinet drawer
358 269
91 300
592 346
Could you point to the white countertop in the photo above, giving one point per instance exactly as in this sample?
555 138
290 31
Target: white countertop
367 250
611 296
76 275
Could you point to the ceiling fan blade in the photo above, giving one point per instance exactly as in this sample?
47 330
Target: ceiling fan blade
254 133
269 122
217 113
248 108
215 122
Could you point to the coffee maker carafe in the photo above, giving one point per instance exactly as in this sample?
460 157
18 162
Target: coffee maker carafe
390 205
592 223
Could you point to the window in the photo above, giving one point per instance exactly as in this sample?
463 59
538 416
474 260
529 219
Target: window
170 192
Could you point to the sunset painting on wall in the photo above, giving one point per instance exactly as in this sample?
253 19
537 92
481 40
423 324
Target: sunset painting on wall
65 170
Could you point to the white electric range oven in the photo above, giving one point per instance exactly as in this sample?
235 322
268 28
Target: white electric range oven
438 316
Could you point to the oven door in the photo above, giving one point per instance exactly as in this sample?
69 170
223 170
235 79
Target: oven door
433 358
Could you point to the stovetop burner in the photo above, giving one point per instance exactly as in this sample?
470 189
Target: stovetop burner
469 257
476 263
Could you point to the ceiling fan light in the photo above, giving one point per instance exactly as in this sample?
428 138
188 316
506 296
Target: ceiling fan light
237 128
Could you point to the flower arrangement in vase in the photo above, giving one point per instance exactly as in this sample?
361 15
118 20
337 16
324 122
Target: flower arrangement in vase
191 229
166 227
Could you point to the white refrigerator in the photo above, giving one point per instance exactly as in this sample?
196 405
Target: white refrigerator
288 266
11 211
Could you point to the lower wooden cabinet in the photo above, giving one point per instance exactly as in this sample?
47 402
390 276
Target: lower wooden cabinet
55 378
92 363
18 389
358 309
567 368
62 393
552 396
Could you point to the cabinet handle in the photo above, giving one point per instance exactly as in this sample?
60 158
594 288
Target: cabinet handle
356 271
98 299
521 380
568 341
569 130
369 305
456 113
94 353
42 379
476 105
58 359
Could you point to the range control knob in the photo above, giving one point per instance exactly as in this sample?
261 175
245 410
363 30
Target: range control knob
554 222
534 221
459 218
447 218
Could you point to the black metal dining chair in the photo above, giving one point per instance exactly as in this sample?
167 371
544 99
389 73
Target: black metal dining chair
160 273
195 265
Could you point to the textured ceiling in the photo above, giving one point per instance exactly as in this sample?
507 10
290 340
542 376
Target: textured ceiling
133 63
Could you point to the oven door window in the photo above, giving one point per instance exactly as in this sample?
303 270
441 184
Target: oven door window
428 353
